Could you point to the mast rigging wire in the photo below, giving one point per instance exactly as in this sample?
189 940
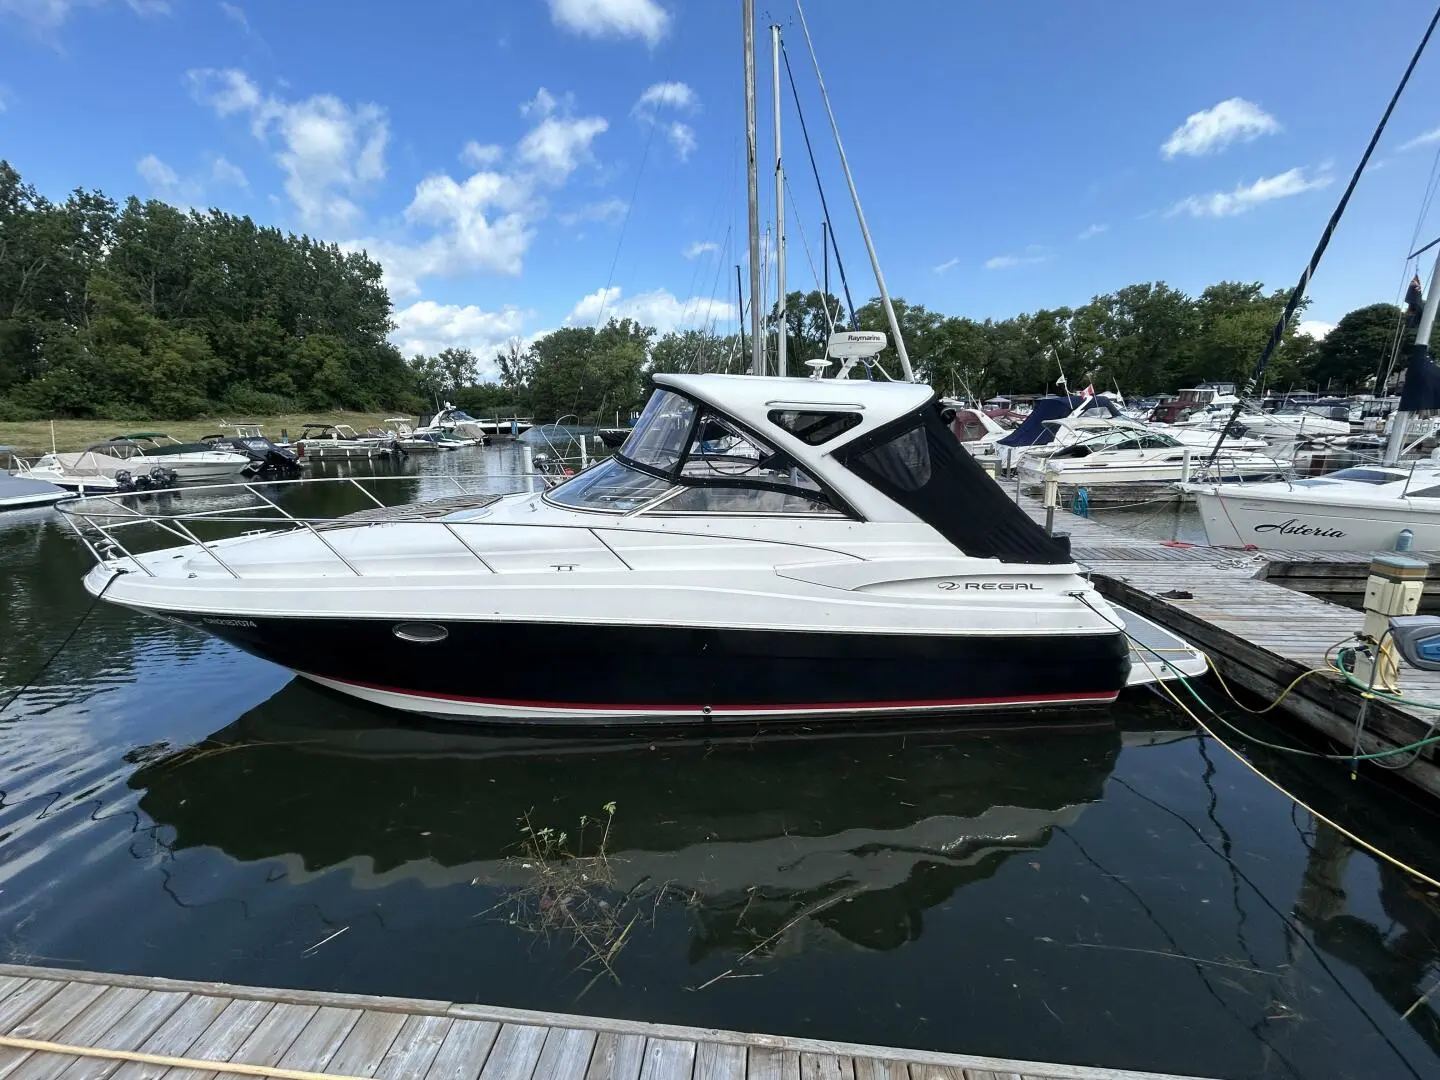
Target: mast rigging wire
814 168
1277 332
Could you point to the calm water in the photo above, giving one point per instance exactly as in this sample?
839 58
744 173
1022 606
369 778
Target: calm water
1128 895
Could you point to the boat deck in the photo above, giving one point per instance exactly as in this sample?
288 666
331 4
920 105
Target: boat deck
87 1026
1261 635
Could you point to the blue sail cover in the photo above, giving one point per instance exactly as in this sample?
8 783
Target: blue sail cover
1422 381
1033 431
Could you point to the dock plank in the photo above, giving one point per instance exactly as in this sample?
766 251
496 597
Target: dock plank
871 1069
566 1055
668 1059
86 1029
226 1034
718 1061
174 1039
769 1063
367 1044
275 1034
462 1055
47 1021
132 1029
414 1049
517 1049
320 1039
20 1003
826 1067
616 1057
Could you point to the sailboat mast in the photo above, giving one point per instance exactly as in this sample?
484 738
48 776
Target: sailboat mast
900 350
1401 420
780 327
752 182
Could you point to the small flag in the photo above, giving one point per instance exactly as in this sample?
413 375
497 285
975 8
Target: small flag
1414 301
1089 391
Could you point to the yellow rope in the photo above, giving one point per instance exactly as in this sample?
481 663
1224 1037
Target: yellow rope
1283 694
39 1046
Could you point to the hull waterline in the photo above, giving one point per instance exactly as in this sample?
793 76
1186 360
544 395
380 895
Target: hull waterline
546 672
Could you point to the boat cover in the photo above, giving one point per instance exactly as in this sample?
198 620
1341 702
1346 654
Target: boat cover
1033 431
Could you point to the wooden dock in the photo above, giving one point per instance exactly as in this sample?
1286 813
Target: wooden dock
1260 634
134 1028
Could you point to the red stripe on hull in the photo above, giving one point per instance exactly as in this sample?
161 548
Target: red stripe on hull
935 703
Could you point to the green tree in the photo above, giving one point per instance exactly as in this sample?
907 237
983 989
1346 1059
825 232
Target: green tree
1360 345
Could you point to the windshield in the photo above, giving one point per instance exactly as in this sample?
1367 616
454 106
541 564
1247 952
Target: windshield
659 436
711 466
611 485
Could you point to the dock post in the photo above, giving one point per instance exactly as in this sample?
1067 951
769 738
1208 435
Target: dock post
1052 498
1393 588
1185 467
527 459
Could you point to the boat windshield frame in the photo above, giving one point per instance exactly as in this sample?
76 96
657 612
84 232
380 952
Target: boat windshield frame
664 451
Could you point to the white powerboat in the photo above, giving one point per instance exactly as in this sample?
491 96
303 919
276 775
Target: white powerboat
1113 460
20 492
1365 508
147 450
759 547
340 441
86 471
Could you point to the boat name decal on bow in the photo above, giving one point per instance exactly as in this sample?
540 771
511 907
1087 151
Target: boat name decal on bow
208 621
990 586
1292 528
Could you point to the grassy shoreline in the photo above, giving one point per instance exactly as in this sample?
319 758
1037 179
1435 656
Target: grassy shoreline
33 436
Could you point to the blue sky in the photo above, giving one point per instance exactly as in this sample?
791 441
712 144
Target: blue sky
526 164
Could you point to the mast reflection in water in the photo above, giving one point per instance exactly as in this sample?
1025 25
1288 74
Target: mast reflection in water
1128 896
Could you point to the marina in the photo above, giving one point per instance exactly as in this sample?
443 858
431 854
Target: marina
869 702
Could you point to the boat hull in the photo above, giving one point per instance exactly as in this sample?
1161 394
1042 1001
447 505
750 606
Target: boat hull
537 672
1232 519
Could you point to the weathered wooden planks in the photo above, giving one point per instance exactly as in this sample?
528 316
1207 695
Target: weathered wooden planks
347 1035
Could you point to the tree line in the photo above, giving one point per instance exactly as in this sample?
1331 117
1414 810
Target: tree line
1142 339
143 310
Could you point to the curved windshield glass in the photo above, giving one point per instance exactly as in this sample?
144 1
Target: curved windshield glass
659 436
611 486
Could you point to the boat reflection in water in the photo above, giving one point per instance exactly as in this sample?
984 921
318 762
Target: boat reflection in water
866 830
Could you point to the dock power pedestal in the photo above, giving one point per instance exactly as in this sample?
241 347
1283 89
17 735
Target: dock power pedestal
1392 592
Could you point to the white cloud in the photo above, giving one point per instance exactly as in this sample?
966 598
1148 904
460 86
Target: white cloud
1314 328
1247 197
1091 231
4 98
225 172
699 247
1030 256
612 18
157 174
658 308
427 327
1423 139
560 143
676 96
682 137
185 191
481 155
604 211
149 7
327 149
236 15
487 221
1217 127
947 266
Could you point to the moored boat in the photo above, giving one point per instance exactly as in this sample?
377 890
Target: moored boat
758 548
